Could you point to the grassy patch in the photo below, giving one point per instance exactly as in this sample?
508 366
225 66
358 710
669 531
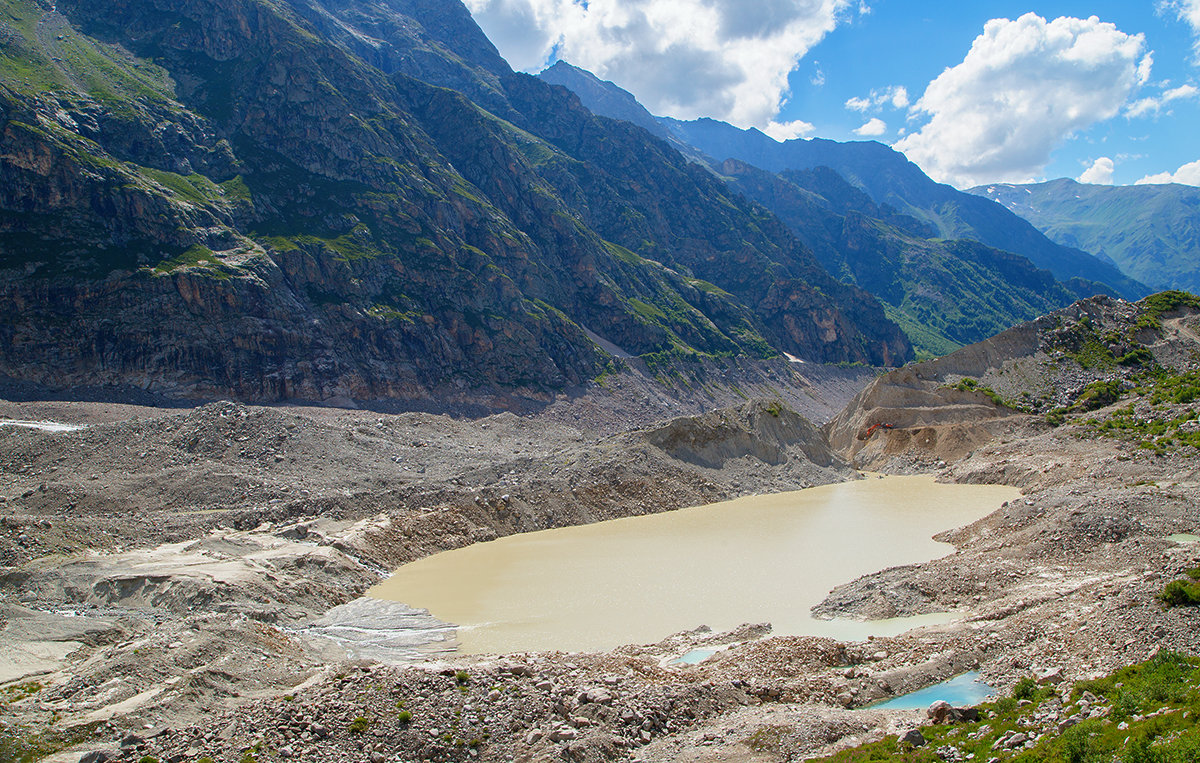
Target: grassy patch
26 744
1144 713
1182 593
356 245
18 692
1157 305
1094 355
1097 395
195 256
1167 423
967 384
195 188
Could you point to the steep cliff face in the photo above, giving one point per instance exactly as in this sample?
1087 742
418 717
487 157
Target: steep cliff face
236 197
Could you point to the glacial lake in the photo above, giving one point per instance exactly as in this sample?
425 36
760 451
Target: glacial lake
639 579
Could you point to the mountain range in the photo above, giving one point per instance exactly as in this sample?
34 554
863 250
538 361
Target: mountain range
356 199
359 199
949 269
1151 232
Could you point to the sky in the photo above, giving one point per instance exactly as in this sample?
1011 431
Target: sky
974 92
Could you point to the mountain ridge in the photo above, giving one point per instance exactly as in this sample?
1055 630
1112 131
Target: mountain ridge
945 294
884 174
1151 231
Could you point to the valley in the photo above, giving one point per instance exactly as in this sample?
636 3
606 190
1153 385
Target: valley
188 613
722 440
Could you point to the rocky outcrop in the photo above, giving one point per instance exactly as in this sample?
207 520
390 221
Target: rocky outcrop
762 429
942 409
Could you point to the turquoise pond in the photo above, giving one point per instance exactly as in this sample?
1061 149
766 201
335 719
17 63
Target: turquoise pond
960 691
694 657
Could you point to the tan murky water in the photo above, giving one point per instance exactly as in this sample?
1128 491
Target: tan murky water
637 580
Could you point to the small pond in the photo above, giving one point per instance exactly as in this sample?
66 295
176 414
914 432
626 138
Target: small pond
961 691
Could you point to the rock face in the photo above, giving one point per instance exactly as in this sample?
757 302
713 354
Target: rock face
763 430
284 201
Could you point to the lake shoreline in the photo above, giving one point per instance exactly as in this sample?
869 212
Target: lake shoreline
635 580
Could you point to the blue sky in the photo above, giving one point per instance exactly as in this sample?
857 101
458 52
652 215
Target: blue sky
910 49
974 92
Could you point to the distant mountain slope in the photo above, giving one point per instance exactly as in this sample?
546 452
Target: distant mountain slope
944 294
889 178
354 199
1151 232
603 97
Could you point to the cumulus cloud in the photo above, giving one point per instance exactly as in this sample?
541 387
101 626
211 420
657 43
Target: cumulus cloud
1100 173
682 58
782 131
896 97
873 128
1155 105
1188 174
1024 87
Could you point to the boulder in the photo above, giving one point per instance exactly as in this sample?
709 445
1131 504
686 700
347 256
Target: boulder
1052 676
939 711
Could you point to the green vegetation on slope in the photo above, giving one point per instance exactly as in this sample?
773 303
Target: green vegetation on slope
943 294
1164 417
1152 232
1144 713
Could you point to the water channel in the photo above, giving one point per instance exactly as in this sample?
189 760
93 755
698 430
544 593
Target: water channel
639 579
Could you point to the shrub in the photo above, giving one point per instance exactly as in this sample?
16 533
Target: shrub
1097 395
359 725
461 677
1024 689
404 717
1180 593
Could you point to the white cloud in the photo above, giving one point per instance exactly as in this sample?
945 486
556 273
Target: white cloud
1188 174
859 104
1188 11
782 131
896 97
683 58
818 78
873 128
1024 87
1153 105
1100 173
